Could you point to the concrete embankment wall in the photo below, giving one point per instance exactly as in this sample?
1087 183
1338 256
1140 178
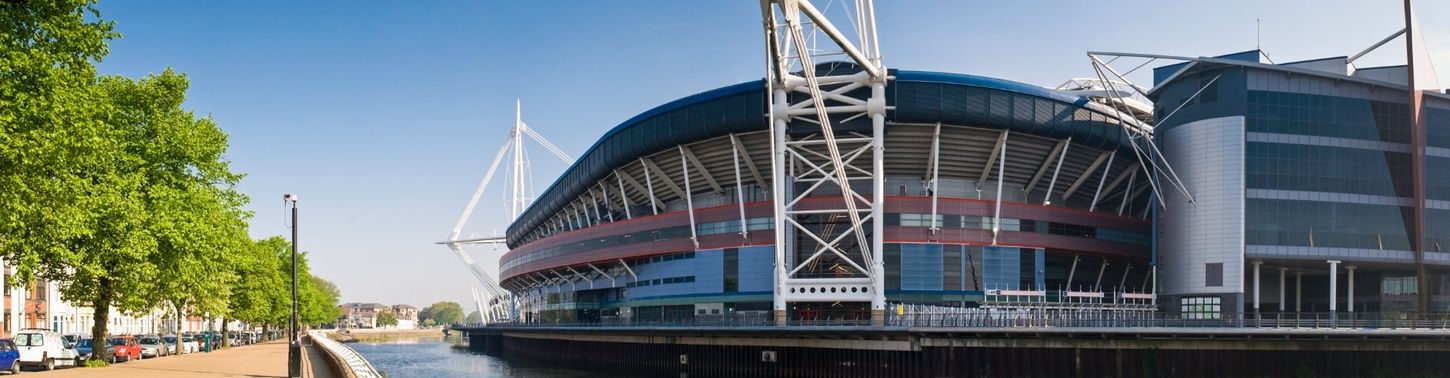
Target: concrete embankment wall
959 354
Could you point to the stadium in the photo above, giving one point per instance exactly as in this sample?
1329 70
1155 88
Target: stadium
995 193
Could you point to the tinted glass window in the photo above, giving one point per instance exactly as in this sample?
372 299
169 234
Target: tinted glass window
30 339
84 343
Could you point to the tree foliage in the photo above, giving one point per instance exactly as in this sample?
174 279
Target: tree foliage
52 134
387 319
111 189
473 318
442 313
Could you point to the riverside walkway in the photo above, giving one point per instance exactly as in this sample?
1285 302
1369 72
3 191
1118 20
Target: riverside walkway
261 360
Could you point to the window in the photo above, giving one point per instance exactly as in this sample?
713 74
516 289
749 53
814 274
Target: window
920 220
1210 91
1406 285
731 277
1200 307
30 339
1213 274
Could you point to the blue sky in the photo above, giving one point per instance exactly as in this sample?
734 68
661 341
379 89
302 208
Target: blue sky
383 116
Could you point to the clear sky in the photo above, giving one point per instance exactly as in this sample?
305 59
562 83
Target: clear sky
383 116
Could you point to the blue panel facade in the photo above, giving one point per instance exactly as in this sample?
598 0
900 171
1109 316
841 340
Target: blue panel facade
756 269
691 273
921 267
1003 268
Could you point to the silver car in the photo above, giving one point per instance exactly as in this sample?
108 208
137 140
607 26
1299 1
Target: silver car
153 346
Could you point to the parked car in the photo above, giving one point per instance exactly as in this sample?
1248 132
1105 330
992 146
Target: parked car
84 348
9 356
152 346
87 346
126 347
194 341
71 339
45 348
188 344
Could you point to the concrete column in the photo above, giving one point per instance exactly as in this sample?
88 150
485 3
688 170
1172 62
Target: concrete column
1350 268
1256 286
1333 287
1282 299
1298 291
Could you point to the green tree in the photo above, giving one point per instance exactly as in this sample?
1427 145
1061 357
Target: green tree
473 318
54 205
326 286
272 305
317 305
107 186
387 319
258 280
442 313
50 130
176 219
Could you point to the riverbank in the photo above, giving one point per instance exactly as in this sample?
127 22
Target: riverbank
386 335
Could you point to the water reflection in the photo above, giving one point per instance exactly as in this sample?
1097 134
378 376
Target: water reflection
441 359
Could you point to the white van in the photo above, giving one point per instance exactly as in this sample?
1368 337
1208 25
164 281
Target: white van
46 349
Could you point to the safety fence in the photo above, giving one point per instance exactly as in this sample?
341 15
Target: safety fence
349 362
947 317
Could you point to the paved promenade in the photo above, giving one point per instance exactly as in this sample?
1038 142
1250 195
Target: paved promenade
261 360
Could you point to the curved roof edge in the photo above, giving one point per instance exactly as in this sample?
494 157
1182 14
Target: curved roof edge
759 86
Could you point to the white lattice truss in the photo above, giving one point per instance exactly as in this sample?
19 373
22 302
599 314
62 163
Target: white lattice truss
827 160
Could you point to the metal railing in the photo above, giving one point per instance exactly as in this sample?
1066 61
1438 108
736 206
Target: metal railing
347 359
1019 318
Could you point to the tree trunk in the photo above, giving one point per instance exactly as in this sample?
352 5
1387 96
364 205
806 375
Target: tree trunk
180 344
101 317
226 341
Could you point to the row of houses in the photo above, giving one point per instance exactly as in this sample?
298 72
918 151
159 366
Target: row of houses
39 306
365 315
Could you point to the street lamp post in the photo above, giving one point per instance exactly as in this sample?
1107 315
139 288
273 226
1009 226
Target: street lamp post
294 349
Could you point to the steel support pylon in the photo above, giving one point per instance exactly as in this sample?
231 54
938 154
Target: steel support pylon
499 304
827 233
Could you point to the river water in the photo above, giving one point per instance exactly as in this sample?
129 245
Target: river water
442 359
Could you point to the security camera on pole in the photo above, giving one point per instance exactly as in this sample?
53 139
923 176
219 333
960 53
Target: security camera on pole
294 347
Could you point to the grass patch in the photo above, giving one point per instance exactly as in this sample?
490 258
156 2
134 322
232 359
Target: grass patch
96 364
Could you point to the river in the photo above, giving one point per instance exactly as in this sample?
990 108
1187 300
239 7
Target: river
432 358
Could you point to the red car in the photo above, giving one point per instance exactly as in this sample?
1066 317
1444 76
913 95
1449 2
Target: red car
126 347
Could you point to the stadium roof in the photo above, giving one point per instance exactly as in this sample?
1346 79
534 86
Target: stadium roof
915 97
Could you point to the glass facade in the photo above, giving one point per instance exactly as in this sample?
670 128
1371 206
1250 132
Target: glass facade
1327 224
1328 169
947 267
1334 168
1327 116
1328 174
1018 225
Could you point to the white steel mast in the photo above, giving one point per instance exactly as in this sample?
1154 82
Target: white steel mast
499 303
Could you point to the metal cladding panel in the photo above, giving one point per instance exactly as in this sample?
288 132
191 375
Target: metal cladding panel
1209 156
918 97
757 268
